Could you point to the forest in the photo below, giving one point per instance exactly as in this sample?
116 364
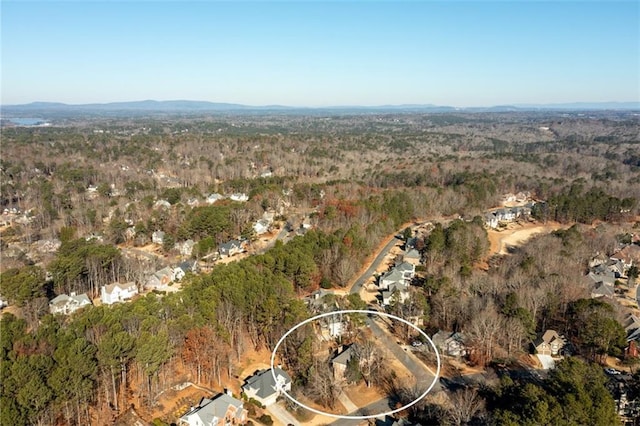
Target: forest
95 189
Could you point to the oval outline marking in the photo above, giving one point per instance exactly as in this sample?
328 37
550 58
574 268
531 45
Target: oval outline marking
340 416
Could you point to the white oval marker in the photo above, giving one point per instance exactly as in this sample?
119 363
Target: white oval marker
354 311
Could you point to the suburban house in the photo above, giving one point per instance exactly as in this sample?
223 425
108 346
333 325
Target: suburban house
223 410
164 204
230 248
188 266
321 300
631 326
339 362
412 257
450 343
157 237
261 226
185 248
160 279
239 196
262 387
396 290
601 281
67 305
602 290
212 198
550 343
407 270
117 292
391 277
493 218
629 256
332 326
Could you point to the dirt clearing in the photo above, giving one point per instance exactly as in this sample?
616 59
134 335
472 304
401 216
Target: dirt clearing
515 235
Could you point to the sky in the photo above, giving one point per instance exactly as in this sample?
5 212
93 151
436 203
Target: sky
321 53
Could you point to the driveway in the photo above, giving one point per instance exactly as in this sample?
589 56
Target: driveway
282 415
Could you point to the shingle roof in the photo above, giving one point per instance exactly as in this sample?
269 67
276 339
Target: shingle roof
264 383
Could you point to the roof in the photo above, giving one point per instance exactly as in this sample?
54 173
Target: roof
226 247
344 356
412 254
264 383
603 289
208 409
549 337
123 286
405 267
393 275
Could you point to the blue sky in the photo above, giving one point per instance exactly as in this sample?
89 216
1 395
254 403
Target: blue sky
312 53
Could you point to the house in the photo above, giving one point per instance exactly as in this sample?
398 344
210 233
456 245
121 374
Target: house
117 292
261 226
223 410
340 361
157 237
411 243
160 279
164 204
391 277
491 220
263 388
629 256
230 248
185 248
450 343
332 326
602 290
631 325
320 300
212 198
396 292
550 343
412 257
239 196
408 271
188 266
67 305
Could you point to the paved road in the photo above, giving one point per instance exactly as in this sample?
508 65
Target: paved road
374 265
379 406
418 369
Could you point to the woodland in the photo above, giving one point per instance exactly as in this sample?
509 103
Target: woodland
93 184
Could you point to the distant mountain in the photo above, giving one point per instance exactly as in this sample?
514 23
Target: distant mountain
576 106
186 106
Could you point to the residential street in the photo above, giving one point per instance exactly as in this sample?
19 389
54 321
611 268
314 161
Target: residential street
374 265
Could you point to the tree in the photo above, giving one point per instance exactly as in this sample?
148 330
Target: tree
595 329
23 285
465 405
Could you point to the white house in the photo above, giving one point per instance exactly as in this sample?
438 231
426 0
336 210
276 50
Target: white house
264 389
117 292
212 198
67 305
261 226
391 277
157 237
239 196
396 291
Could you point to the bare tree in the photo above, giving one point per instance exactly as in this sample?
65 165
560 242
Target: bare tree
322 385
465 404
370 360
